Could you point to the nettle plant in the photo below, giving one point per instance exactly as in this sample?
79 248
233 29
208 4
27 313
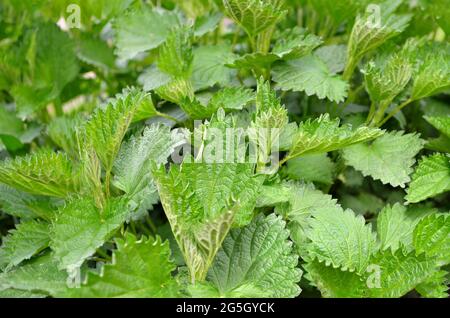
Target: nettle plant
236 148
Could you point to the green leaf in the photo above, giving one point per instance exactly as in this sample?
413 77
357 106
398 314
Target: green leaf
16 293
176 90
202 201
55 64
390 275
387 78
362 204
96 52
28 239
140 269
81 227
334 282
433 75
25 205
98 10
311 168
312 76
303 201
42 173
214 188
441 144
400 273
431 236
206 24
267 125
254 16
441 123
295 43
107 127
324 135
273 194
139 31
336 13
334 56
435 286
10 124
432 177
341 238
195 8
254 61
369 33
292 44
439 9
395 226
232 98
40 275
229 99
175 55
132 169
153 78
52 65
30 99
256 261
389 158
208 66
65 132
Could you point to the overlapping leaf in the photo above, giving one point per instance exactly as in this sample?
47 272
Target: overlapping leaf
139 31
40 275
108 126
389 158
43 173
312 76
140 269
81 227
254 16
324 135
432 177
132 168
202 201
26 240
255 261
432 237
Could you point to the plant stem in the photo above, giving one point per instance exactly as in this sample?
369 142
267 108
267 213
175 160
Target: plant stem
251 38
150 223
371 112
166 116
58 108
285 159
235 38
352 96
378 115
145 229
263 41
300 17
107 183
349 69
395 111
103 254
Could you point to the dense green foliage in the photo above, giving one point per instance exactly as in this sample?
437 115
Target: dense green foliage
235 148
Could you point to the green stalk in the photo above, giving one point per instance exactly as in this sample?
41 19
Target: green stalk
395 111
169 118
263 41
300 17
371 112
349 69
378 116
150 223
107 183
